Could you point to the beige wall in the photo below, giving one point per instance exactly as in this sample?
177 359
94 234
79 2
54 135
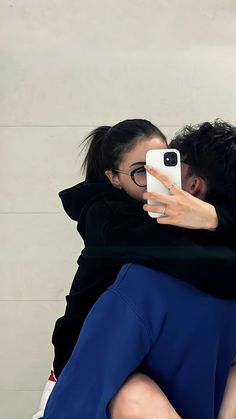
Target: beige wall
67 66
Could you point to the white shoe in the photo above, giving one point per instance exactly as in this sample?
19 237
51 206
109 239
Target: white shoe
45 396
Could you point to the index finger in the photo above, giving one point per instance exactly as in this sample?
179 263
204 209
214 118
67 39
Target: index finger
164 179
159 197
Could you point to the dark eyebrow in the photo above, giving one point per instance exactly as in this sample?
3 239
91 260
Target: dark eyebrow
142 163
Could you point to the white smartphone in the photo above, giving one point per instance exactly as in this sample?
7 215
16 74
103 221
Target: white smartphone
167 161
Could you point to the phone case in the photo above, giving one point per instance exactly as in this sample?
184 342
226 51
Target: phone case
157 159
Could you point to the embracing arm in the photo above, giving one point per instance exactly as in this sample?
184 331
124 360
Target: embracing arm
195 257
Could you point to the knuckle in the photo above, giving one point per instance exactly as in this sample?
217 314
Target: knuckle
153 196
164 178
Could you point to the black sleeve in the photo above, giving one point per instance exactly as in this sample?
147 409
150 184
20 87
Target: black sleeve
127 224
197 257
226 222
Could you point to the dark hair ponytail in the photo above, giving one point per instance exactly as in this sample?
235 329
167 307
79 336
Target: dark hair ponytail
107 145
93 162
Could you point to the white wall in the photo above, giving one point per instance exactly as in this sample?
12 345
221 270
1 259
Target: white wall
67 66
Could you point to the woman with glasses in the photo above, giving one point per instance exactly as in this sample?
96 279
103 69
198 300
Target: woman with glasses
114 184
111 196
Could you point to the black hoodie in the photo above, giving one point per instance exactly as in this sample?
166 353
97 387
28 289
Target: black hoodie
116 230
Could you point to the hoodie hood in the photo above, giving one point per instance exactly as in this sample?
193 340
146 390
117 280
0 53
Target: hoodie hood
77 197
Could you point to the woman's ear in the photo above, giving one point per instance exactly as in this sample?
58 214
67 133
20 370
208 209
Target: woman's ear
197 186
113 178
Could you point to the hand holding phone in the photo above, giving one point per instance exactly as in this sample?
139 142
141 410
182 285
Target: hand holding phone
168 163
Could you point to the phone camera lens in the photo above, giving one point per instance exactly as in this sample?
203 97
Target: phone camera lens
170 158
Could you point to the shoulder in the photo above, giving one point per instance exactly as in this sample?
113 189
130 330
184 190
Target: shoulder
114 216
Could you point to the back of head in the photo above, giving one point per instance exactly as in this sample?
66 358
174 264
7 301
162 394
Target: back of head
107 145
210 152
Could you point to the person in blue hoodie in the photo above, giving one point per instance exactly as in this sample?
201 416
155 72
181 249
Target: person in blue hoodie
201 281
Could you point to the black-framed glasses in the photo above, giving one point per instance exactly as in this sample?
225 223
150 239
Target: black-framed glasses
138 176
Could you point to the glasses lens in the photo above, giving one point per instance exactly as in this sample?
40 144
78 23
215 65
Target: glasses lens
140 176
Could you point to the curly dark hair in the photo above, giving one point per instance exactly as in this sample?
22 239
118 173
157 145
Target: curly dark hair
210 151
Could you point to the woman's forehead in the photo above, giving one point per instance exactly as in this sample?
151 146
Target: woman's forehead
138 152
